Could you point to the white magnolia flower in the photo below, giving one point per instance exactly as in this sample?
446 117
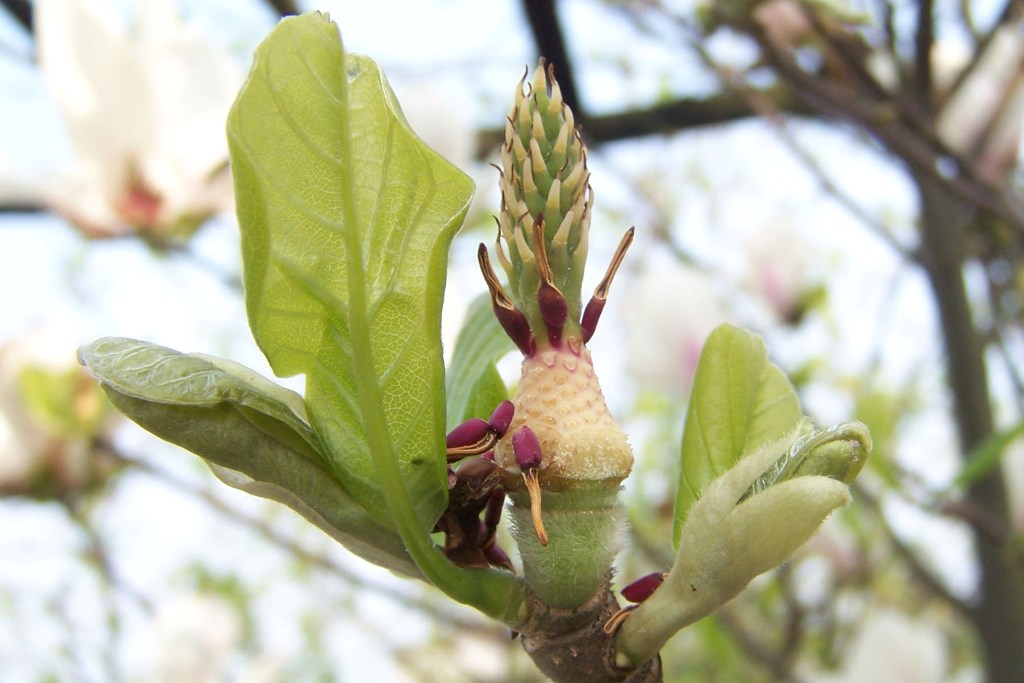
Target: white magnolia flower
777 269
145 109
983 117
673 308
50 410
194 635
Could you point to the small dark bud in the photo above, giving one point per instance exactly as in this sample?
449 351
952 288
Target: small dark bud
472 437
526 448
588 325
497 557
591 314
553 309
502 416
644 587
517 327
468 433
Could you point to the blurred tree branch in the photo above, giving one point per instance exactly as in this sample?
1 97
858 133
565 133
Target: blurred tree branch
21 11
542 16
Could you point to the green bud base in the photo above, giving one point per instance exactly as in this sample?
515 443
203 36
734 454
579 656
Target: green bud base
585 529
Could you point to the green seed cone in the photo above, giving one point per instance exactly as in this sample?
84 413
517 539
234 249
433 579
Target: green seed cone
544 174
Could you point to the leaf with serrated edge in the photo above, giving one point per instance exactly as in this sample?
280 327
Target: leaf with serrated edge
346 222
474 386
235 419
739 402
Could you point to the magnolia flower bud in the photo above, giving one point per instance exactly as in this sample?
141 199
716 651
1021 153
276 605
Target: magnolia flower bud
732 534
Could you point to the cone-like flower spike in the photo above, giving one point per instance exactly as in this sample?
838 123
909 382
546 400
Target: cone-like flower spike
544 223
542 246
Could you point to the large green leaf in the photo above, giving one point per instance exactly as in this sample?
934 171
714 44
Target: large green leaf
252 432
346 221
740 402
474 385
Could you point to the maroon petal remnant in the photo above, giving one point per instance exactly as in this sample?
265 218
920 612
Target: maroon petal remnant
595 306
591 314
512 320
472 437
527 449
498 557
529 457
642 588
502 416
467 433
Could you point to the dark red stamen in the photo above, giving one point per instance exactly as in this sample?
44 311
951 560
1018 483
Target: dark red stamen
502 416
592 313
472 437
644 587
526 448
553 307
512 320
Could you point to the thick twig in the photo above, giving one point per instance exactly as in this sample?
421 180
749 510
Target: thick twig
21 11
924 39
542 16
284 8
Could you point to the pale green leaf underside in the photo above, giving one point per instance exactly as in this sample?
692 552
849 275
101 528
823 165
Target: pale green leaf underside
238 420
346 221
739 402
474 386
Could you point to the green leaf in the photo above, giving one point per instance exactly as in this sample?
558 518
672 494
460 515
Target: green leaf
740 401
346 221
984 457
474 386
251 432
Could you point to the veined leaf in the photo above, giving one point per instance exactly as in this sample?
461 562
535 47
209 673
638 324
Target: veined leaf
740 401
346 221
474 385
240 422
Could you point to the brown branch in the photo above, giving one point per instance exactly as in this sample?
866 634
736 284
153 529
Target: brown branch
21 11
999 615
284 8
542 16
900 131
924 38
665 118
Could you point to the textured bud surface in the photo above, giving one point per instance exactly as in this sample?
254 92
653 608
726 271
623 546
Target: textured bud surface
560 399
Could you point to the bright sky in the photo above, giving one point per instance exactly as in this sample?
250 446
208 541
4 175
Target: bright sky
721 183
